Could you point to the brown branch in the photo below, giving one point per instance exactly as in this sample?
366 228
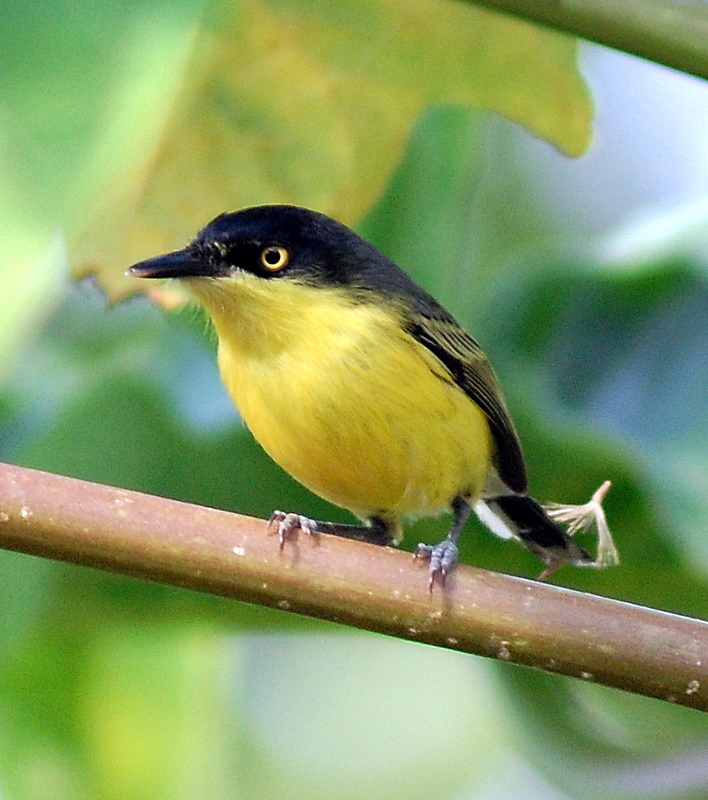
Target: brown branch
669 32
380 589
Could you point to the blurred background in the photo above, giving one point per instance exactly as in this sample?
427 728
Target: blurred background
585 281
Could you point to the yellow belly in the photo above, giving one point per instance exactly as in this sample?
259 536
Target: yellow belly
352 406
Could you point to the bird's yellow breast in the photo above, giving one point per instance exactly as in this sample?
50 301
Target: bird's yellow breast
344 399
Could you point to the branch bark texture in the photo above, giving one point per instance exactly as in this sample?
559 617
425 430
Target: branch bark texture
670 32
379 589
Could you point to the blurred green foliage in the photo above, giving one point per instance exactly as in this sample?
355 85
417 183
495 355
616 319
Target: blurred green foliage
112 688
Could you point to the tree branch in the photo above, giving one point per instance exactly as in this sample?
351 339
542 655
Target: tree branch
666 31
379 589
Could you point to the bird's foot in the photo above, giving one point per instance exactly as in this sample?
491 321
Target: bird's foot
288 524
442 558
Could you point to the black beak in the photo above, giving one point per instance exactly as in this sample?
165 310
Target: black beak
180 264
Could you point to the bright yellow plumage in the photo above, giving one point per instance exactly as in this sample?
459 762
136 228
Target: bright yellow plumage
343 399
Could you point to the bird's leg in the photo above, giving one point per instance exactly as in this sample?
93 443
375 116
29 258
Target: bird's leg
443 556
377 531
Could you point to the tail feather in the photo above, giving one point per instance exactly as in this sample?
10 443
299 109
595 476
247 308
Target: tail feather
522 518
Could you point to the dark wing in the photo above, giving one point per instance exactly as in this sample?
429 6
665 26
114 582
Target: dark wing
436 329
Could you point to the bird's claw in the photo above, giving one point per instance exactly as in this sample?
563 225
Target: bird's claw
289 523
441 557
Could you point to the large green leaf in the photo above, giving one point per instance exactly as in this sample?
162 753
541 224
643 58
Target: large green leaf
290 101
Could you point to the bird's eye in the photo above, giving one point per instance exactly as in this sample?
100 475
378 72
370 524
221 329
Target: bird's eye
274 258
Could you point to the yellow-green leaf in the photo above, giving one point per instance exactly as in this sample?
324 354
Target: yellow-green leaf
311 103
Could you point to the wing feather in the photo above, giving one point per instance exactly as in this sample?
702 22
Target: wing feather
439 332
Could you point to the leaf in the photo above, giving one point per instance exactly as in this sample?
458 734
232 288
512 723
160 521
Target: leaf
36 290
70 77
287 101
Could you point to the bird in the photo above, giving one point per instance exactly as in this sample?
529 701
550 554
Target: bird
366 390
